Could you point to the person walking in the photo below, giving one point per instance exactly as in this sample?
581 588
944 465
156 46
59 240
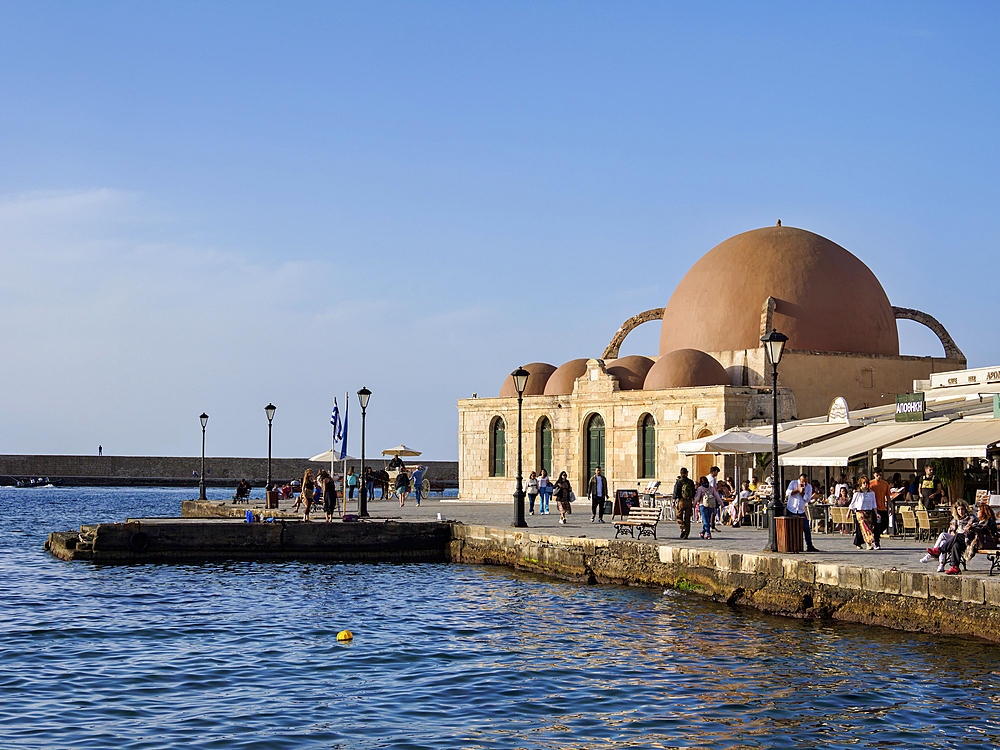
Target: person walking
881 489
865 523
417 479
797 497
684 491
544 492
369 480
707 498
562 493
532 490
598 492
402 486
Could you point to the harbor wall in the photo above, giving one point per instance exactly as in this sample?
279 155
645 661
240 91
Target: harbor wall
922 602
183 471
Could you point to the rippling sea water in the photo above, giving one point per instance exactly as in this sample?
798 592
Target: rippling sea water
244 655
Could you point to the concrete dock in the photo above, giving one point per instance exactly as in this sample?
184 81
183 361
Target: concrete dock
889 587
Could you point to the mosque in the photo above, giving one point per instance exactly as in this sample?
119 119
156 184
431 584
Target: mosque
627 414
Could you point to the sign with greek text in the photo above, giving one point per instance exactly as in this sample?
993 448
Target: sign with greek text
910 407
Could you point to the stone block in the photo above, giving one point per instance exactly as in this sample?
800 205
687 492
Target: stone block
973 590
871 580
750 564
849 576
913 584
991 591
827 574
669 555
797 570
890 581
945 587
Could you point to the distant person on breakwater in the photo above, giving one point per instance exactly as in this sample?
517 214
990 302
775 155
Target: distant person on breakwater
402 485
329 488
563 493
305 497
100 450
418 483
352 483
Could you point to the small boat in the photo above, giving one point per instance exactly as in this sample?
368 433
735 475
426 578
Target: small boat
32 482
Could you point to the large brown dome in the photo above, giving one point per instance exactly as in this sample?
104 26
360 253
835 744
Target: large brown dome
630 371
561 382
826 298
538 376
685 368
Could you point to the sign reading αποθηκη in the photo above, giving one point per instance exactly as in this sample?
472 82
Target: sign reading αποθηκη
910 407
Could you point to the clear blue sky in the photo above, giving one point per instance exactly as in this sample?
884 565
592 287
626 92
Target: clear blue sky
209 206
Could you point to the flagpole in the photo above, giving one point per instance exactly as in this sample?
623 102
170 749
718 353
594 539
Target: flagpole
343 451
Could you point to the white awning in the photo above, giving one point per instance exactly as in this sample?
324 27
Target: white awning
805 433
838 451
963 438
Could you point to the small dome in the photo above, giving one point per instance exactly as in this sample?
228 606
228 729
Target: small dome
539 373
630 371
826 299
685 368
561 382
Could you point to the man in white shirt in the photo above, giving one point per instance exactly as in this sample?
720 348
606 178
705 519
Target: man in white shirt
713 476
798 494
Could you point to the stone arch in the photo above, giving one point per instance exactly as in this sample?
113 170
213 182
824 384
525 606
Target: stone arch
951 350
626 328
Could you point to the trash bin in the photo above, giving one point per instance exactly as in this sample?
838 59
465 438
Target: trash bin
789 533
272 499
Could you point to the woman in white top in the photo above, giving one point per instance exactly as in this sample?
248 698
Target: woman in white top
532 490
865 523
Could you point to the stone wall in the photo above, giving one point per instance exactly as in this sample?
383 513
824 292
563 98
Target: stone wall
901 600
183 471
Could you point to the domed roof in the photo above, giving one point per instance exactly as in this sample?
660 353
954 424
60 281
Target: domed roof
538 376
826 298
630 371
685 368
561 382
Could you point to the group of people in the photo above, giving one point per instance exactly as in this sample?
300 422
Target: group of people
709 499
967 533
317 488
541 489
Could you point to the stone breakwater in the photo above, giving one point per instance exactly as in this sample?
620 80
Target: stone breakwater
181 471
786 585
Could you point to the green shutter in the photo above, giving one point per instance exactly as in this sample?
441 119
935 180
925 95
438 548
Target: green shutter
499 449
547 446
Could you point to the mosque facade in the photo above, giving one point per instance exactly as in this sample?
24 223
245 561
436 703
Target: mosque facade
711 373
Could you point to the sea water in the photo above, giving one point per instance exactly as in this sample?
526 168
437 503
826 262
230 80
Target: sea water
245 655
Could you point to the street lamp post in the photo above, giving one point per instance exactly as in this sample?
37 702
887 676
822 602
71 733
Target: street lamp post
774 343
269 411
363 395
201 480
520 376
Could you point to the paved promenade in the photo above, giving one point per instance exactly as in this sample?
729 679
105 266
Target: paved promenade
836 548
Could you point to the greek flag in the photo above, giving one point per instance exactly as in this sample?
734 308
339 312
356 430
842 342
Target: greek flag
335 421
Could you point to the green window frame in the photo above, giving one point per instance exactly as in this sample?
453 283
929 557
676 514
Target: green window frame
498 448
647 443
545 445
594 441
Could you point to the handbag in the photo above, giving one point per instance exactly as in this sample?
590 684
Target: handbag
572 496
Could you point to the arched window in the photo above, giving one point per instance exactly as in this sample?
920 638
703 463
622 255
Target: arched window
498 449
545 445
647 448
594 444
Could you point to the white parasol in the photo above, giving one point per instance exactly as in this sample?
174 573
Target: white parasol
400 450
733 440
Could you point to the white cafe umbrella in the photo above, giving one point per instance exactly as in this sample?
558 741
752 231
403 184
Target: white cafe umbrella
329 455
400 450
733 440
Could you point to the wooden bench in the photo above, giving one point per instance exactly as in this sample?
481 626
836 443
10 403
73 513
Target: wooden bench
645 519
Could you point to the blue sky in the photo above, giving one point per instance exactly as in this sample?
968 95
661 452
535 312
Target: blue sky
209 206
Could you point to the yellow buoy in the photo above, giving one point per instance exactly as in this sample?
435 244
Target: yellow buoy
345 635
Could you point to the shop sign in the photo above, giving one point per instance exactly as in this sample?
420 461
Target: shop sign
910 407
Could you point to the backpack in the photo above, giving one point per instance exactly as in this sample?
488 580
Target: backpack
687 489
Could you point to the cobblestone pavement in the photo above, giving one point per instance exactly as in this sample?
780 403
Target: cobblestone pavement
901 554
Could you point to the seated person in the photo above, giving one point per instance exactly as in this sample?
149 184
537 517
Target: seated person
395 463
961 520
982 533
